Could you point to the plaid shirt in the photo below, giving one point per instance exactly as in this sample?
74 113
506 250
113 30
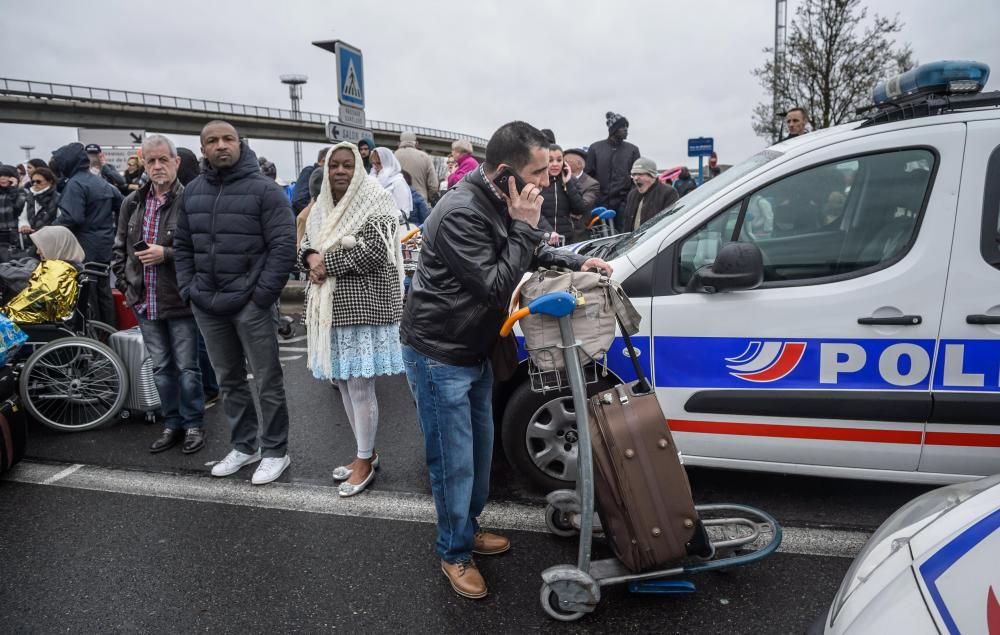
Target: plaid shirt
151 234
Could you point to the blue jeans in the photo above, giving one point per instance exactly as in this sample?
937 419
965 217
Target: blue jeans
455 410
173 346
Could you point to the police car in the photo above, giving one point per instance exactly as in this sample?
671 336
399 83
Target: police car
830 306
930 568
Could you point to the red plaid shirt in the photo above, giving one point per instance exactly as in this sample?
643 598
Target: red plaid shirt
151 234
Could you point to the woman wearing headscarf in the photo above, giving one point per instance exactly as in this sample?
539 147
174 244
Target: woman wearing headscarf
389 173
56 242
42 203
354 303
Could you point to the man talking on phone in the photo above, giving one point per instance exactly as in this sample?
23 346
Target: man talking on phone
479 241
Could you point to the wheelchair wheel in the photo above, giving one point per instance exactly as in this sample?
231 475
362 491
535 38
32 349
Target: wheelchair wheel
73 384
99 331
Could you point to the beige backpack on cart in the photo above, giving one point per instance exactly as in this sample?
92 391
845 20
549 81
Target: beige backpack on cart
593 321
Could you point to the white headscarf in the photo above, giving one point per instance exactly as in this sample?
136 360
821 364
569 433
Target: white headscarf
335 226
55 242
391 178
391 169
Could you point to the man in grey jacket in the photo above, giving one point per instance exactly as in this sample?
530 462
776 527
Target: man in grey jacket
419 165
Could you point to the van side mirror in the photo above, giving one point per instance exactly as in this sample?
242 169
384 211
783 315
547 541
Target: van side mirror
738 267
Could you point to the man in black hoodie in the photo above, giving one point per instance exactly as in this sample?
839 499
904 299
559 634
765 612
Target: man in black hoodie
88 207
234 247
609 162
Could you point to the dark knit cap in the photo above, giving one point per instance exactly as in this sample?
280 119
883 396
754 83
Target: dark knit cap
8 170
615 121
577 151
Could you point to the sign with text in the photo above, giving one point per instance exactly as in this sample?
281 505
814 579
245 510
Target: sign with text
336 131
118 157
701 147
350 75
110 136
352 116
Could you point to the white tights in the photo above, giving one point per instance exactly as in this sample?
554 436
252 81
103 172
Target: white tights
358 394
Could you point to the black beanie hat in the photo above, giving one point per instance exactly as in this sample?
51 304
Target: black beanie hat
8 170
615 121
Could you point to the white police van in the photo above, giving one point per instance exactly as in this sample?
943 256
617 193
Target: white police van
830 306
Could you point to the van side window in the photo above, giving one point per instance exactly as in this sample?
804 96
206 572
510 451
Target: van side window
700 248
990 239
831 221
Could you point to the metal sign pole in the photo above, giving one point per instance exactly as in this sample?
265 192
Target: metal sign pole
701 170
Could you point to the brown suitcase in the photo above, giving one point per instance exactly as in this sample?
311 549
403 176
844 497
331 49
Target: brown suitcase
642 492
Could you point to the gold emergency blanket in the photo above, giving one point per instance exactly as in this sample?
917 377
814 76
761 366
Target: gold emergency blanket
49 297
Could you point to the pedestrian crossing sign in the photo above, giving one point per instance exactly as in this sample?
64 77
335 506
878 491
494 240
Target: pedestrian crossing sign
350 76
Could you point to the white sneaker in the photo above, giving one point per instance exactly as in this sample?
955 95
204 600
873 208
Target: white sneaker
270 468
233 462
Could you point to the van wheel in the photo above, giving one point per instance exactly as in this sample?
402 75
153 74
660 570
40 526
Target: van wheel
540 434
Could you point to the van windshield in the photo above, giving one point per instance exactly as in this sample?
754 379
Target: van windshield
652 227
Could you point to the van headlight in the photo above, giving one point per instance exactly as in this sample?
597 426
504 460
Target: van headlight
896 532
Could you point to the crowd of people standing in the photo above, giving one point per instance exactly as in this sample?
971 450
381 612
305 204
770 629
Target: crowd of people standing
201 250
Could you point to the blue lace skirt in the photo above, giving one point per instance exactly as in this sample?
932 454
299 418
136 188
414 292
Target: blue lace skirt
364 351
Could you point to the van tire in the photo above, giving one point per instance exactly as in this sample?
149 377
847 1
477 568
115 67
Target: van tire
522 406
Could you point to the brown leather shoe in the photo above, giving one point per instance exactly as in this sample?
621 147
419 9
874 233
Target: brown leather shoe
465 579
488 544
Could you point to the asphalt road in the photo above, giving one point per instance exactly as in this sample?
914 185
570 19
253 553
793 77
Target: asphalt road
140 542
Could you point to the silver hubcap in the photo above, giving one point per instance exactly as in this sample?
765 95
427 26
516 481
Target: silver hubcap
551 439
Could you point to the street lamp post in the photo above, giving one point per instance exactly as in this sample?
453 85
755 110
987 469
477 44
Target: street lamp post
27 151
295 83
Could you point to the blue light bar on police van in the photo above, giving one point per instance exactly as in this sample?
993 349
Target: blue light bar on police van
938 78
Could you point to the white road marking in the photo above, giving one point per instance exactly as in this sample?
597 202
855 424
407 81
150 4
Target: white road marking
58 476
292 349
290 358
321 499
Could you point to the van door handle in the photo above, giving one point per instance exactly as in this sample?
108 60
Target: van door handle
897 320
982 319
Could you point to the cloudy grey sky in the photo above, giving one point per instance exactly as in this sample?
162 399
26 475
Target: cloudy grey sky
675 71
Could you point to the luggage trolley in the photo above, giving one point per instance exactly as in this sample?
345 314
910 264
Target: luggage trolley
738 534
411 242
601 223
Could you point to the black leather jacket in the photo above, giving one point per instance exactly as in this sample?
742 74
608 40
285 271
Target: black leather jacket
472 257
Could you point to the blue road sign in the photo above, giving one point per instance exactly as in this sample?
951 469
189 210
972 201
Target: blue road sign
701 147
350 75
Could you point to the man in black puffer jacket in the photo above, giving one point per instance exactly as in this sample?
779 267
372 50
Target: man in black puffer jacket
234 247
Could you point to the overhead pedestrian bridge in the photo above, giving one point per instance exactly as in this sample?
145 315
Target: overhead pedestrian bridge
50 104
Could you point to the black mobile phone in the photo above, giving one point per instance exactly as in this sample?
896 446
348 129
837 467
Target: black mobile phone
140 246
500 181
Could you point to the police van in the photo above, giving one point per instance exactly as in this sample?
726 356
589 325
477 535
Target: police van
830 306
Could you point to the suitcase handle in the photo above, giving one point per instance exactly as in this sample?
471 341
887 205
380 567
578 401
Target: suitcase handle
642 386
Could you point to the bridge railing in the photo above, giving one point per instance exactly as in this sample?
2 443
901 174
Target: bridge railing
50 90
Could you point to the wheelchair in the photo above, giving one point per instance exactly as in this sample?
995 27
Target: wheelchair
69 379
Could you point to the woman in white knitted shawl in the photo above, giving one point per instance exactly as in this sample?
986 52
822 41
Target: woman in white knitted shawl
355 299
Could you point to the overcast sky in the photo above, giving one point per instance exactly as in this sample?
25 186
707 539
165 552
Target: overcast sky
675 71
